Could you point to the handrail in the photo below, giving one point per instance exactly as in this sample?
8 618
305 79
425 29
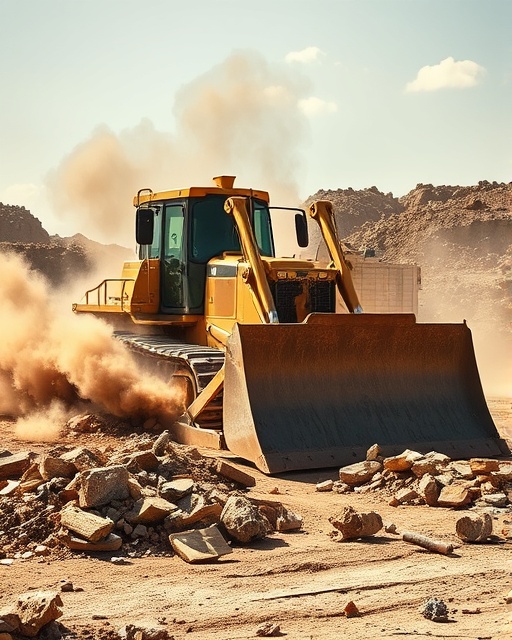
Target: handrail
103 288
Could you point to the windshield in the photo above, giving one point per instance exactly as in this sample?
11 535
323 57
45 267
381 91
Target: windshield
213 230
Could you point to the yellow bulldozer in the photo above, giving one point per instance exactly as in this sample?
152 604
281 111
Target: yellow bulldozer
274 374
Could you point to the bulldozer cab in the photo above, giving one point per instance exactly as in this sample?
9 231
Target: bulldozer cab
186 233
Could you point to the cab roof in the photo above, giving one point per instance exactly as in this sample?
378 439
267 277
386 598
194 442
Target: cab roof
223 185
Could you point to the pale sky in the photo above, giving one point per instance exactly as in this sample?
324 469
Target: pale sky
103 97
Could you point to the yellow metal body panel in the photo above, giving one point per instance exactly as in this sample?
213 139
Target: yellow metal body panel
198 192
146 289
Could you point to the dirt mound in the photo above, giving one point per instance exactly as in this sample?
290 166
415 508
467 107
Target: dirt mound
17 224
460 236
58 259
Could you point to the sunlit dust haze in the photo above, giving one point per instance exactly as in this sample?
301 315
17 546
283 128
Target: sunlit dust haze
240 118
52 363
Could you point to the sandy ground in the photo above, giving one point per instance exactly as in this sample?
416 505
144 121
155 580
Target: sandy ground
301 581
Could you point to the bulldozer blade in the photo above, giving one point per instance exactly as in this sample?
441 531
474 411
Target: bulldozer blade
320 393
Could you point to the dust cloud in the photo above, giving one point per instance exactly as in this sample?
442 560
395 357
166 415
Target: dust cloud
240 118
456 288
52 363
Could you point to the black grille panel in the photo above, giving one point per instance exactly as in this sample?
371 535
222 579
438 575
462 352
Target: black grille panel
321 297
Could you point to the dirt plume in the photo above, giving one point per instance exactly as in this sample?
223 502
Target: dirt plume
53 362
240 118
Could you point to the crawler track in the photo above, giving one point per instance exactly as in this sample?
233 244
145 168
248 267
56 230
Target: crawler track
172 357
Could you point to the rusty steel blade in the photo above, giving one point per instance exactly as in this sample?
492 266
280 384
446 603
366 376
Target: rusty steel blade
319 394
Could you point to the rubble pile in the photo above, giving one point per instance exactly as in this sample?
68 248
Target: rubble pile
135 499
460 236
413 478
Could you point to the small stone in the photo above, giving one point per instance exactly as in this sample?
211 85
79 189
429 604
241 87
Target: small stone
498 500
140 531
406 495
373 453
480 466
67 586
268 629
161 443
351 610
355 525
428 489
326 485
402 462
359 473
41 550
435 610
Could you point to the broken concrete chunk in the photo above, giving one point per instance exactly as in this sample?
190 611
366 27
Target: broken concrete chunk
176 489
179 520
50 467
498 500
359 473
326 485
243 520
10 487
406 495
474 528
150 511
83 458
9 622
102 485
145 460
233 473
110 543
36 609
482 466
355 525
200 545
428 489
373 453
432 462
14 466
504 473
160 445
288 521
460 469
402 462
454 495
88 525
268 629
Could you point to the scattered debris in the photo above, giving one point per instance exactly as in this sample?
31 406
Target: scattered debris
474 527
233 473
353 525
200 545
351 610
87 500
434 479
32 611
437 546
326 485
243 520
435 610
268 629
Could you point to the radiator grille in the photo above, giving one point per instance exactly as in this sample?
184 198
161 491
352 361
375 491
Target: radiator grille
321 297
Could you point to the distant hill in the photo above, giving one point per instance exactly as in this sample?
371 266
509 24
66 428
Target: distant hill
460 236
58 259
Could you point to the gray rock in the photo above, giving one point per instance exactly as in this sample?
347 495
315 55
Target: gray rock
243 520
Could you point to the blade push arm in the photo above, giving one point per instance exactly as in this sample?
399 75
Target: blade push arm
321 211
